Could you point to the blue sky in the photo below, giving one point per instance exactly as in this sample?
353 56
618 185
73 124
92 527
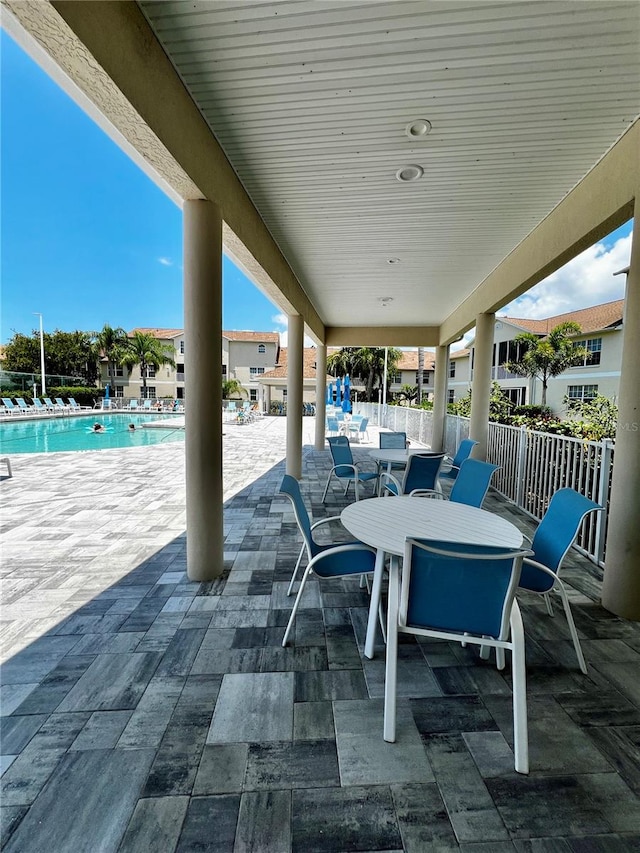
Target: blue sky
88 239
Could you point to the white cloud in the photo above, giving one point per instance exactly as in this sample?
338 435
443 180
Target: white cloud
585 281
282 321
166 262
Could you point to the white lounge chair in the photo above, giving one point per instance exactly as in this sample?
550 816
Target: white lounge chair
10 406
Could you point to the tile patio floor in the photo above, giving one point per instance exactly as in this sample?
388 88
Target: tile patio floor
141 712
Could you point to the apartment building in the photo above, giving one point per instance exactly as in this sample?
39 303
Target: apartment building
598 374
246 356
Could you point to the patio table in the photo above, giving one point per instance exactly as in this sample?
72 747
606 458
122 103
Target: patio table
385 524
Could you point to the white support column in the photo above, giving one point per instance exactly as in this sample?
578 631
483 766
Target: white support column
294 395
203 411
621 586
481 387
321 394
441 381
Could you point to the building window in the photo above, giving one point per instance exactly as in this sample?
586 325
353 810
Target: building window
262 349
118 371
253 395
181 347
180 393
395 377
284 393
509 351
452 395
118 391
452 370
582 392
224 370
256 371
593 347
425 376
148 393
149 372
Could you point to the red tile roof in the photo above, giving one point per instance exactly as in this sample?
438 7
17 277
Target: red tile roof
163 334
605 316
308 369
258 337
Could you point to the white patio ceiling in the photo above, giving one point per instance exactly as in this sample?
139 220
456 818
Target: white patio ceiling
310 100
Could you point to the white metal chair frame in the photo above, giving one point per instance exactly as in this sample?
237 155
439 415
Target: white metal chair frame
511 637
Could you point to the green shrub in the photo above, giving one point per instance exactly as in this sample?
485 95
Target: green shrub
533 410
82 394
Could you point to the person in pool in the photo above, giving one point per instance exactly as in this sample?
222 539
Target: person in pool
132 427
97 427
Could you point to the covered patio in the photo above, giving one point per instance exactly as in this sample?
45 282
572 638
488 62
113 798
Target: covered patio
143 711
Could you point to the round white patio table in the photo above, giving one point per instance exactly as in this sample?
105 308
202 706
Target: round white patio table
385 524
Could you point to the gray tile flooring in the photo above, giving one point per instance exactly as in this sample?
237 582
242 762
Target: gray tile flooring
141 712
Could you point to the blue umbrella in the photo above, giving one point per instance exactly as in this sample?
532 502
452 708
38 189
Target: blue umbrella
330 393
346 403
338 392
106 391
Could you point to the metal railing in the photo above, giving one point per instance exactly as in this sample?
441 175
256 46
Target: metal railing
533 465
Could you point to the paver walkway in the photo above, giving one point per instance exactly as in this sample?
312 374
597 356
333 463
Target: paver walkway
141 712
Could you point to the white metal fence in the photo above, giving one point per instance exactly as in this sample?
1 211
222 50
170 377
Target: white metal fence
533 465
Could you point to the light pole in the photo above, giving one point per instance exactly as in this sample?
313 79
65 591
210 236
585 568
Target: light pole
37 314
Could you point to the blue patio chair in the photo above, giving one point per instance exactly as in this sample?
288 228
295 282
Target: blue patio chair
146 406
471 485
392 441
326 561
332 425
359 428
75 406
421 475
463 452
133 404
50 404
22 405
39 405
60 403
10 406
344 468
554 536
465 594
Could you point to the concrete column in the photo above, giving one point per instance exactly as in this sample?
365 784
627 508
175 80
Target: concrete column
440 387
481 387
267 399
294 395
203 343
321 394
621 586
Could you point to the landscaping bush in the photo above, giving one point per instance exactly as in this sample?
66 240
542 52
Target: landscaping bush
533 410
82 394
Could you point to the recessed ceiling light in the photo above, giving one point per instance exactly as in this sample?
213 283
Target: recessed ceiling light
418 129
393 261
409 173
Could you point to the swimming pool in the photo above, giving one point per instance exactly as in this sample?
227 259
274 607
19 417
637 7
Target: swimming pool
51 435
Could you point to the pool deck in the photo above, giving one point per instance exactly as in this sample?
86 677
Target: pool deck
134 702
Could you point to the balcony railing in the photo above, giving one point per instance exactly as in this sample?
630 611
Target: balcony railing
533 465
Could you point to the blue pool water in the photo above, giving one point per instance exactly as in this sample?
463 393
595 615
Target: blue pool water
50 435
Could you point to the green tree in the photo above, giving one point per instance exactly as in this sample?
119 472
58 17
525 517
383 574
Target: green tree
111 344
408 393
232 388
364 362
145 350
499 405
65 354
544 358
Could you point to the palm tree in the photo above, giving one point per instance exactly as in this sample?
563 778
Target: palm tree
544 358
147 351
110 343
367 362
231 387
